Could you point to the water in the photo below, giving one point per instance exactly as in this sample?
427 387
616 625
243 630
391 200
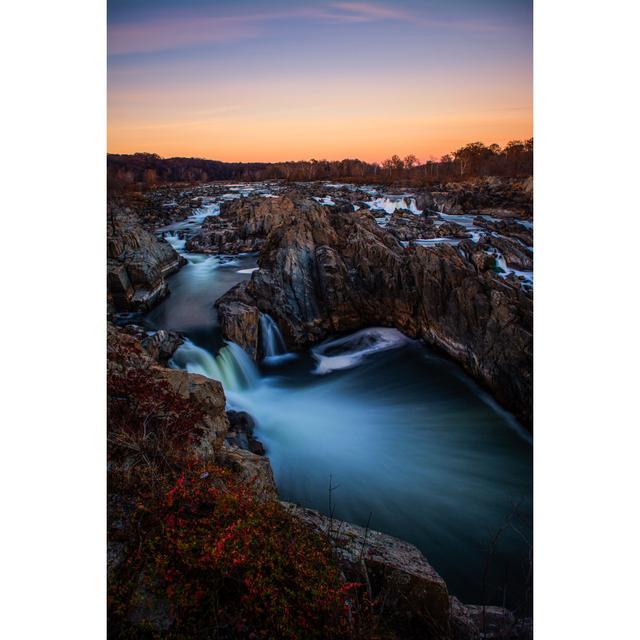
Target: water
410 441
271 338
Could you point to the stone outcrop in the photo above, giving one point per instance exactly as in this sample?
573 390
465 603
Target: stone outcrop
162 345
204 394
510 228
240 323
405 225
228 442
476 622
324 272
395 572
251 468
242 225
516 255
240 434
137 264
498 197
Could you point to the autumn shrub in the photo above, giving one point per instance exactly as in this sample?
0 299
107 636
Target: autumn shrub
226 563
148 422
195 553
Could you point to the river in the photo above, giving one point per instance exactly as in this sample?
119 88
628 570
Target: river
412 445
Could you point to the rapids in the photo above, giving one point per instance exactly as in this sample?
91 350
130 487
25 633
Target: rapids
415 448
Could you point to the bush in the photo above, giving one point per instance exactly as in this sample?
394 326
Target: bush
226 563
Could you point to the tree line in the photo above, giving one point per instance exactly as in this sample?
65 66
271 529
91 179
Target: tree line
475 159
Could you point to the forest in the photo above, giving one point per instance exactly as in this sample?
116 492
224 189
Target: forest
475 159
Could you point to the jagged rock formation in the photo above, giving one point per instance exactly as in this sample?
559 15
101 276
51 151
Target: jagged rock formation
499 197
324 272
242 225
510 228
415 596
217 438
137 263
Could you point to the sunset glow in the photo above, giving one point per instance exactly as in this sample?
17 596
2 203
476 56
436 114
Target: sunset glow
269 81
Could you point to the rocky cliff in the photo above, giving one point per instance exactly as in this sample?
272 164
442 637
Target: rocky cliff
137 263
323 271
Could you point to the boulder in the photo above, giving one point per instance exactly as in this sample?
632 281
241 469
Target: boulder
162 345
137 263
477 622
242 225
207 395
250 468
240 434
240 323
425 201
396 573
408 226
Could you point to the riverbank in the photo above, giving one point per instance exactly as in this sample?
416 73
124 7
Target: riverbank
173 457
190 303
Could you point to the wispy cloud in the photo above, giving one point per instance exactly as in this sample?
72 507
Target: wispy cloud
163 33
181 28
189 28
367 11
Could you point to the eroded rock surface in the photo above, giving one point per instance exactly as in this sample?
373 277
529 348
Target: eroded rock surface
242 225
416 597
324 272
137 263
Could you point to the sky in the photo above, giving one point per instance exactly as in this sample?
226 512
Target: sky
274 80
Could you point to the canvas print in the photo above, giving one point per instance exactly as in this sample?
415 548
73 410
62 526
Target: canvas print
319 229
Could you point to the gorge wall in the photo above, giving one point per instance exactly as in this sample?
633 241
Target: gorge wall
324 271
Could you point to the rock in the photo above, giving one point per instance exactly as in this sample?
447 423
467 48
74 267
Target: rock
409 226
240 323
203 393
137 263
425 201
240 433
450 230
516 255
242 225
207 395
415 596
162 345
252 469
494 623
324 272
509 228
499 197
343 206
463 625
475 622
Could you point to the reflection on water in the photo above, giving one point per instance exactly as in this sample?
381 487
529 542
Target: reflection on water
406 436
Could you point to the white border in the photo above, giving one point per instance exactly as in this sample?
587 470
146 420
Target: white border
586 443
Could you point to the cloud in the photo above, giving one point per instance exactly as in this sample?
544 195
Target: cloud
177 30
366 11
182 28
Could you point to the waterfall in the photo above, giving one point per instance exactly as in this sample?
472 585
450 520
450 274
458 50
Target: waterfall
232 366
271 338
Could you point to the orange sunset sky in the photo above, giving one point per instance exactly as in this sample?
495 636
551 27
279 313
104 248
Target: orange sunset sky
267 81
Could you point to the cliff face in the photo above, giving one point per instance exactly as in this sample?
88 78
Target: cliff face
324 272
137 264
